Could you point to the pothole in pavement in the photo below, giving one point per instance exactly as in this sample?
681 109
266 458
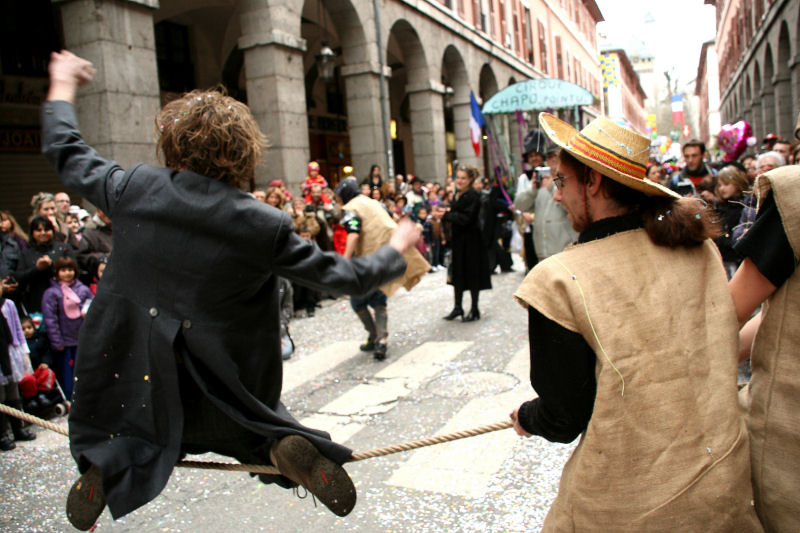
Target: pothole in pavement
472 384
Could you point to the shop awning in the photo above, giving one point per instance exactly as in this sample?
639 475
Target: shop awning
539 94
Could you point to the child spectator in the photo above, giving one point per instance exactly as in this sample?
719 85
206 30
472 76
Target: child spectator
313 178
274 197
9 226
98 275
14 364
37 388
64 306
731 186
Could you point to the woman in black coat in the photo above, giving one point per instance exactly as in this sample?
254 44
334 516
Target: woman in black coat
34 270
470 264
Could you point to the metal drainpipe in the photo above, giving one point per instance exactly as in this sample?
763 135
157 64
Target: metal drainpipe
387 137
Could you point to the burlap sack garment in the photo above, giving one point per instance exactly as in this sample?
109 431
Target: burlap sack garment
671 454
376 231
774 415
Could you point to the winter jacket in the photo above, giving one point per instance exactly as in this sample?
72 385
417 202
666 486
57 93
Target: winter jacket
61 330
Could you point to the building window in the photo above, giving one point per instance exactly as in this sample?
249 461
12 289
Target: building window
543 48
175 69
29 31
492 19
528 28
559 59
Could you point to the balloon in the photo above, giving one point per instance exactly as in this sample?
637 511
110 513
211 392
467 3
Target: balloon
733 139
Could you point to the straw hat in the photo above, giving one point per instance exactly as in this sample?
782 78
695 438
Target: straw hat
612 150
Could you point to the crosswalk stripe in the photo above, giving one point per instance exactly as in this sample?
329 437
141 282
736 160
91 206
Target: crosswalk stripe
347 414
298 371
465 467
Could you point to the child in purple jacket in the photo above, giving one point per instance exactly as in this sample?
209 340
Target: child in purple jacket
64 306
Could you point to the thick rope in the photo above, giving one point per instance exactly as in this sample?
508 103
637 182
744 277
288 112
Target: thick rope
263 469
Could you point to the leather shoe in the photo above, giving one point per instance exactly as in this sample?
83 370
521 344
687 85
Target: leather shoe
367 346
86 501
455 313
23 434
6 444
473 314
380 351
300 461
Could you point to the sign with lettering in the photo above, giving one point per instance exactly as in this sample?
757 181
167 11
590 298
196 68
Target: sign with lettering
539 94
20 140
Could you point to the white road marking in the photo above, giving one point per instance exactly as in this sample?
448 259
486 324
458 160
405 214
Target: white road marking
347 414
465 467
299 371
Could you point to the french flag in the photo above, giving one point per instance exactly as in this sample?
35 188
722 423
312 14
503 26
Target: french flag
476 122
677 109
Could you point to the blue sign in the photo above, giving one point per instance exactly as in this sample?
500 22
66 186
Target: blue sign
539 94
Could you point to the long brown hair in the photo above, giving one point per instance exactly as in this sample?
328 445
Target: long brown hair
669 221
15 228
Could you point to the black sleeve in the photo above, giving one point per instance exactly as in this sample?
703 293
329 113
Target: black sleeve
766 244
563 374
351 222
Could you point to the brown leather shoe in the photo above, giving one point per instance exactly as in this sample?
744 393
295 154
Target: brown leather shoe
86 501
300 461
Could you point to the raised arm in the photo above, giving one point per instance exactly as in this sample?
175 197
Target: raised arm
79 166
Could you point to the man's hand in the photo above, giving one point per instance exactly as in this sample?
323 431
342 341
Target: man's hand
68 72
405 236
517 426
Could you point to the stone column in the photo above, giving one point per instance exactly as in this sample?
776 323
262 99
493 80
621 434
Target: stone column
276 93
768 109
464 151
427 130
794 66
514 142
117 110
747 114
758 120
365 123
785 117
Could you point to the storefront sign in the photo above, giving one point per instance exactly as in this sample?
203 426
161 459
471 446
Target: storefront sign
20 140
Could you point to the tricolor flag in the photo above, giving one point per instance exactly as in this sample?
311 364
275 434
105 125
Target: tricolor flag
476 122
677 109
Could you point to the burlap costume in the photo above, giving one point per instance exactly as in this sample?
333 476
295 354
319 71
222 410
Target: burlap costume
376 231
773 418
671 453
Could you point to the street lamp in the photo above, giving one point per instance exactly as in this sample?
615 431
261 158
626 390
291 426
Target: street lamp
326 61
326 58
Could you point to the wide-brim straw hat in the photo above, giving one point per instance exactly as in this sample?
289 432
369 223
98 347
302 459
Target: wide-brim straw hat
613 150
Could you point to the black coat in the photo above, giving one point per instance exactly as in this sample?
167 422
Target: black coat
194 270
470 264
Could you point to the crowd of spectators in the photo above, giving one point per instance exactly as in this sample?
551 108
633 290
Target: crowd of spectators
725 186
49 271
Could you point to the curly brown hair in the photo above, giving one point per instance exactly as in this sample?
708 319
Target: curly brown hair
212 134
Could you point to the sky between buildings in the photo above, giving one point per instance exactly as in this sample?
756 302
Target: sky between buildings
672 31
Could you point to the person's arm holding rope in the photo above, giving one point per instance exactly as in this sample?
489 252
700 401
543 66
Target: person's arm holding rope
562 373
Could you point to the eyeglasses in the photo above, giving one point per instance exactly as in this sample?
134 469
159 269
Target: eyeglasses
559 181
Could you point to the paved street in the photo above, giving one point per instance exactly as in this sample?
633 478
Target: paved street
439 377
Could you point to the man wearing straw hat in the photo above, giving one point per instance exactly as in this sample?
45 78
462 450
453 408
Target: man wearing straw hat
633 340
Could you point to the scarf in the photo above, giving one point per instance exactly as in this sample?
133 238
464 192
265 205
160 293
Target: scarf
72 303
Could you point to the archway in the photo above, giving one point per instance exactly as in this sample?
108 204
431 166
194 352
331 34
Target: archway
457 109
758 118
416 105
786 102
768 92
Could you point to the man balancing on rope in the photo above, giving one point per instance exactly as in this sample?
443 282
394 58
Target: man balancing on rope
180 351
633 340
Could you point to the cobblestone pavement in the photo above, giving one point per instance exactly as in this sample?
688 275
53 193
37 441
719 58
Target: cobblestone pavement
439 377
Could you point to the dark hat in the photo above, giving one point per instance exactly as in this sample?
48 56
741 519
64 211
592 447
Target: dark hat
414 180
771 137
347 189
536 141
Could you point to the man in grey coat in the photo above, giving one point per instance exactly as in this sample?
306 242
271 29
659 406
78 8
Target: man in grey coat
180 351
